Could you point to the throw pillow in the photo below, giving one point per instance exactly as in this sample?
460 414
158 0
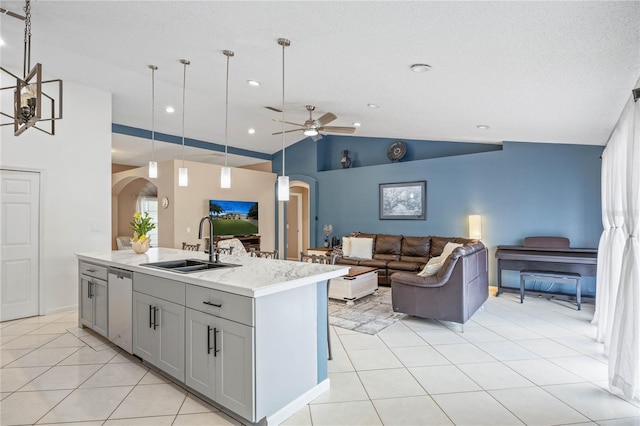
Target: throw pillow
346 246
435 263
432 267
448 249
361 248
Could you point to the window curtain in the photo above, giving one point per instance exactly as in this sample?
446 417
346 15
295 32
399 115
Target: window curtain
612 240
624 353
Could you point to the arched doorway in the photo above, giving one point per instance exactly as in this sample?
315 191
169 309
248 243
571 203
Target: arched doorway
298 213
129 195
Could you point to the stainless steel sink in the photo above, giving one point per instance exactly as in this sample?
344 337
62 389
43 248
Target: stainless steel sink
185 266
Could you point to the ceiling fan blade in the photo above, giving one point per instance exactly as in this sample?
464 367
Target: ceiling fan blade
288 122
337 129
326 119
288 131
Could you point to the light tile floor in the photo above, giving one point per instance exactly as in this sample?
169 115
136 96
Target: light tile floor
534 363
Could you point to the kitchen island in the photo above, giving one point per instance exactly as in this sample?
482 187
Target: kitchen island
250 338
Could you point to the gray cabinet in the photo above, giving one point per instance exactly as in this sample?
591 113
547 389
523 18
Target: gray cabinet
94 297
220 352
159 324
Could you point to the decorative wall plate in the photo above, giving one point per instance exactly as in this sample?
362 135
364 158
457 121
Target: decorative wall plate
396 151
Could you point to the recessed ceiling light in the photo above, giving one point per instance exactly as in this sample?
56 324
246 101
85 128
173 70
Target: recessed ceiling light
170 110
251 131
420 67
483 126
374 106
357 124
253 83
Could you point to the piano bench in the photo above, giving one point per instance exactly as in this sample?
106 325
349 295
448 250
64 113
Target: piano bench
549 276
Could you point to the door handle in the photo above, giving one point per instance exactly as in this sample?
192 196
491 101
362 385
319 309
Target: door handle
150 310
209 340
215 342
91 289
155 317
213 304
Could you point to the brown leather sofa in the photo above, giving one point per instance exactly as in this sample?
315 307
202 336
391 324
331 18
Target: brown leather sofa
455 293
400 253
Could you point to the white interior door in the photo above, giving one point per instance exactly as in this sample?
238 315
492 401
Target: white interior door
20 218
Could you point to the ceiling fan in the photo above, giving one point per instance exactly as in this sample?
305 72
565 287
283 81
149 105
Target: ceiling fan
311 127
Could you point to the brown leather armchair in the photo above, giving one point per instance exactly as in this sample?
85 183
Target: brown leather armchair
455 293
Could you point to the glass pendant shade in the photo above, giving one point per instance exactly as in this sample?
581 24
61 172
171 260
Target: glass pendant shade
183 177
310 132
225 177
153 169
283 188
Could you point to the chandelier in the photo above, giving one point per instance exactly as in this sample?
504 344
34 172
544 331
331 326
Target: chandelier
30 104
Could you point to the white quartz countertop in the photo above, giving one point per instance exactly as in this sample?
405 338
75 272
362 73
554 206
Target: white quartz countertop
255 277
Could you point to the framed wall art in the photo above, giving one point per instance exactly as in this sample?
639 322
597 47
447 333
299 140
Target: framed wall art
403 200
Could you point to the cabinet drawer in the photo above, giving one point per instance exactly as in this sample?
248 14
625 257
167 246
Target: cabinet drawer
162 288
92 270
231 306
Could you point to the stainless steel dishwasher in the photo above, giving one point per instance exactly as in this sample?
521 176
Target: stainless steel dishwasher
120 308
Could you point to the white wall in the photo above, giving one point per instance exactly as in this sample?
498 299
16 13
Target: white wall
75 195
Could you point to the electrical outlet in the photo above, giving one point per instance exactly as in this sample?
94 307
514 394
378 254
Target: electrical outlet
94 227
188 229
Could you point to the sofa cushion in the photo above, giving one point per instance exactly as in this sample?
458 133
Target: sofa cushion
388 244
347 261
438 243
386 256
405 266
362 248
374 263
415 247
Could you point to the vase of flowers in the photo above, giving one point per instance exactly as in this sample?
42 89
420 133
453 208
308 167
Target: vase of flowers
328 229
141 226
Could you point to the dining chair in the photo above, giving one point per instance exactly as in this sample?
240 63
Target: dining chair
266 254
327 260
191 247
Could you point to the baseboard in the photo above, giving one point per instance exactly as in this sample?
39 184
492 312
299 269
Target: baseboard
52 311
294 406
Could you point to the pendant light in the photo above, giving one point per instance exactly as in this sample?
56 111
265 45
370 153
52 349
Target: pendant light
183 177
225 172
153 165
283 181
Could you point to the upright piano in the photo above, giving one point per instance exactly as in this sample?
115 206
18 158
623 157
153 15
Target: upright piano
546 254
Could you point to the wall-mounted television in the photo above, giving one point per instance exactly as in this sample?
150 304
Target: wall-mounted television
234 217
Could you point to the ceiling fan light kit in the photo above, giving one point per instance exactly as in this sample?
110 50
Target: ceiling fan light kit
312 127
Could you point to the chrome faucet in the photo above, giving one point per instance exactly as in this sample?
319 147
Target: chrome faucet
208 218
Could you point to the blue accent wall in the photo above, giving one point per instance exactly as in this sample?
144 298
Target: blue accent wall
520 190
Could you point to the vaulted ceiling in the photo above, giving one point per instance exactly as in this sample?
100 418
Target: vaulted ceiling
557 72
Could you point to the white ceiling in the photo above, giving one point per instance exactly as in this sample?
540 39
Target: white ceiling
533 71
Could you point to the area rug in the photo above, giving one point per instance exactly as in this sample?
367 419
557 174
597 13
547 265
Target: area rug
370 315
